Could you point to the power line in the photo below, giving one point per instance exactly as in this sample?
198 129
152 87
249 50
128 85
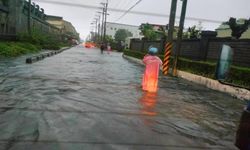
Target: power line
128 4
122 11
120 4
126 12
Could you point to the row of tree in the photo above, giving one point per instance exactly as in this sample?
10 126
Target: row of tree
148 31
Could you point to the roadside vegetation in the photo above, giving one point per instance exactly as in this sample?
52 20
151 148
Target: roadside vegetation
237 75
13 49
31 44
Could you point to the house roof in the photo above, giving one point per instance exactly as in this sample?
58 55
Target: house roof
53 17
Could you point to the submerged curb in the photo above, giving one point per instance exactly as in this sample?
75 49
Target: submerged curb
39 57
237 92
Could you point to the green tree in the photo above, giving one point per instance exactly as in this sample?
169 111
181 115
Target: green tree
148 32
238 29
193 32
122 34
109 39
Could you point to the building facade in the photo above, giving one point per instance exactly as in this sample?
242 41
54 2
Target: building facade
14 19
67 30
111 29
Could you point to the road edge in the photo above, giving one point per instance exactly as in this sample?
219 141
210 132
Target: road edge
240 93
40 57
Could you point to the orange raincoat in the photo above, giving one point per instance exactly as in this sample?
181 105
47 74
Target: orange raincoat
151 73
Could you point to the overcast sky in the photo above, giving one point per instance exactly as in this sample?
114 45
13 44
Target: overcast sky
81 17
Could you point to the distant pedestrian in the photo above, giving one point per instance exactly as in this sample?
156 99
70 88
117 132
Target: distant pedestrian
108 48
151 73
102 47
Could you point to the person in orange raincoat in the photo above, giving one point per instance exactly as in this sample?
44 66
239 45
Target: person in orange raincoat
151 73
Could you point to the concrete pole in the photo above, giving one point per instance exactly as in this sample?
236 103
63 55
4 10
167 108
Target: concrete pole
99 26
179 39
96 30
169 44
29 18
102 26
105 22
172 20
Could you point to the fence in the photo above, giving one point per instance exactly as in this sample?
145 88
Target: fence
205 49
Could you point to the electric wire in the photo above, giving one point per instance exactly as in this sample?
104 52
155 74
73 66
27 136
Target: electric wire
126 12
122 11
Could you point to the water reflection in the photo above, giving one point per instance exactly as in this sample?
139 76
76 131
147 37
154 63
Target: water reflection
148 102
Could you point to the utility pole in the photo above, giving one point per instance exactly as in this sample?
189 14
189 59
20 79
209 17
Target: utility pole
169 45
172 20
94 28
179 39
99 26
96 35
105 22
29 18
102 26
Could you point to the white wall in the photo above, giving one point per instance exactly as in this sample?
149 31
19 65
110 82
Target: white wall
111 29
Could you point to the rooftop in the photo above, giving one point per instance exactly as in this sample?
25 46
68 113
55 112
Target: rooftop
53 17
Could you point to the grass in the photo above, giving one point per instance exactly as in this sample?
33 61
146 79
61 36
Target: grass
13 49
31 43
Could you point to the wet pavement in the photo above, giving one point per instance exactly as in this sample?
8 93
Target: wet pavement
81 99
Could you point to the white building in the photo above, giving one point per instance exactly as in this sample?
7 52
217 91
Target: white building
111 29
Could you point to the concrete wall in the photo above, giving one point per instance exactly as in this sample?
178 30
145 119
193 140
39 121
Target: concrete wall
15 20
111 29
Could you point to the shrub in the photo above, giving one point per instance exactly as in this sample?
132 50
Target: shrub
135 54
239 76
46 41
13 49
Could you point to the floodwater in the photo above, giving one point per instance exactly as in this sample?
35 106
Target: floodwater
82 99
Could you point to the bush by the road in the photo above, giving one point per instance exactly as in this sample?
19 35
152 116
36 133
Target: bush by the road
46 41
31 43
13 49
237 75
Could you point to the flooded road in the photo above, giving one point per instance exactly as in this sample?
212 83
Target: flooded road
81 99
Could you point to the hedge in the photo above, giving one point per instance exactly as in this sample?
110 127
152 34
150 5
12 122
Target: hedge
237 75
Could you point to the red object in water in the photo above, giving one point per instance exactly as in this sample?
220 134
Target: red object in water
89 45
151 73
